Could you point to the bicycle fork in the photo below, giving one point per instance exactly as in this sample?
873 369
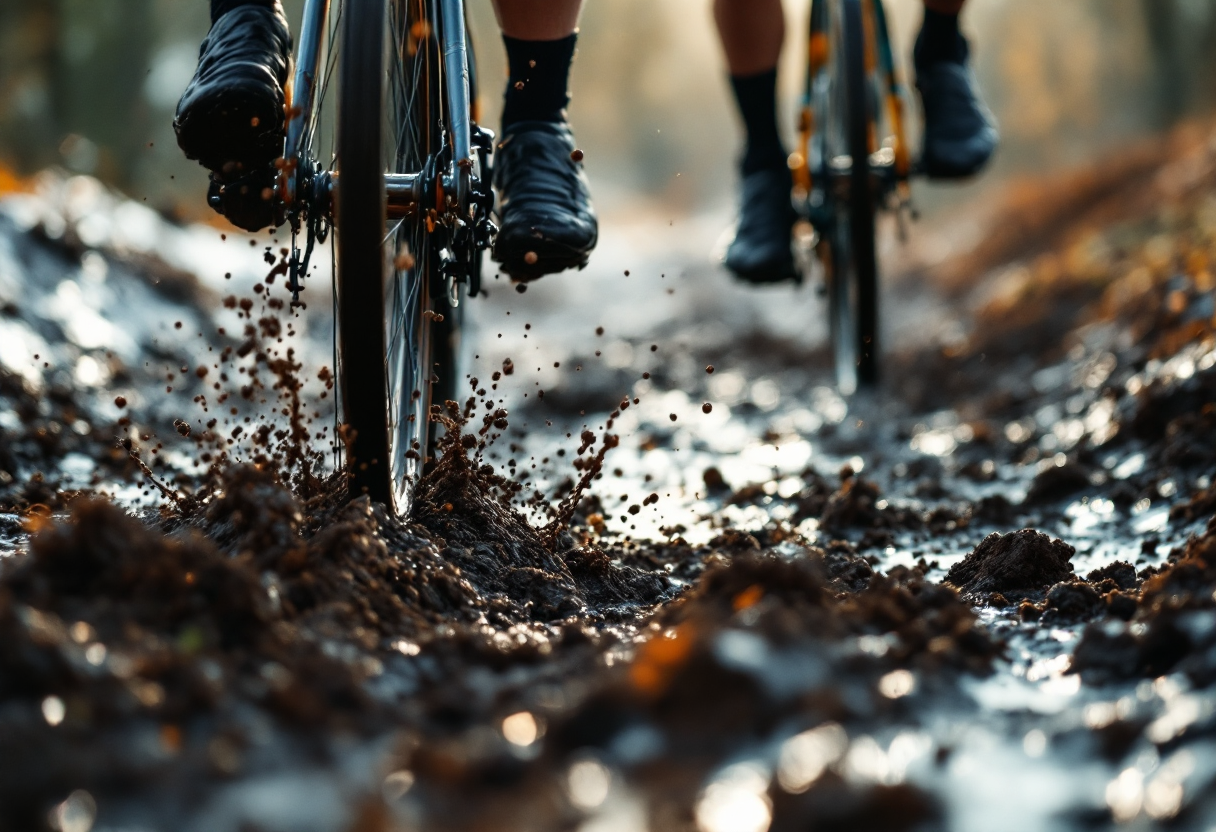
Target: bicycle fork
454 183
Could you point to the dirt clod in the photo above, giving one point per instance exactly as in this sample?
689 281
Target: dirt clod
1172 630
1073 599
1122 573
1018 563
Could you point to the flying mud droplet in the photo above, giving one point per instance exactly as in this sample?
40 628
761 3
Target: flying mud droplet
576 155
673 417
519 85
530 258
599 330
181 426
707 408
508 366
710 369
521 287
120 402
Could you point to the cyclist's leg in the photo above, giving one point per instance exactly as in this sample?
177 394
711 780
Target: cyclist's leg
546 220
538 20
960 133
540 39
940 38
752 32
230 117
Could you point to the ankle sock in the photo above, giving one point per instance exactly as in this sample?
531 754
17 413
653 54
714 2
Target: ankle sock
756 96
538 72
939 40
220 7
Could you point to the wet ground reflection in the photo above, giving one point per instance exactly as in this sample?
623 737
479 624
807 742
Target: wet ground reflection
744 626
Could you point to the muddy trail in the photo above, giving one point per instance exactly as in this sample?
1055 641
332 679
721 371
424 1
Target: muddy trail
685 587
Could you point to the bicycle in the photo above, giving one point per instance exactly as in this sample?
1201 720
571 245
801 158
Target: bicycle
399 169
852 159
405 182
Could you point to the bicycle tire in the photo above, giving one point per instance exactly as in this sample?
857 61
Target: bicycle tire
389 120
853 288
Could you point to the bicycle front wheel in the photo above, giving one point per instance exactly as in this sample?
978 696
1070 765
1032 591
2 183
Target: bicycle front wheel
391 297
853 262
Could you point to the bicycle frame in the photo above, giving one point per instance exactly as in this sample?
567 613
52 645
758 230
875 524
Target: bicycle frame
891 166
303 187
852 162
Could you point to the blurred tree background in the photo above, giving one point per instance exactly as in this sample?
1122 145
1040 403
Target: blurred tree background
91 85
1182 36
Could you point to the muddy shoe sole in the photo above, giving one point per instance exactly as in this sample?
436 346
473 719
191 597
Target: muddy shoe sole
247 201
767 275
546 257
241 131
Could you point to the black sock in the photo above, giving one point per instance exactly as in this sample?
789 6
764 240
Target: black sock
219 7
756 96
536 84
939 40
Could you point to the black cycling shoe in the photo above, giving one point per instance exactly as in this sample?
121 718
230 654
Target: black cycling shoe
761 252
546 223
246 199
231 116
960 132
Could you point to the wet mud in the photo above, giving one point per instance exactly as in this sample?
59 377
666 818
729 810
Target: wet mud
1017 564
983 598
